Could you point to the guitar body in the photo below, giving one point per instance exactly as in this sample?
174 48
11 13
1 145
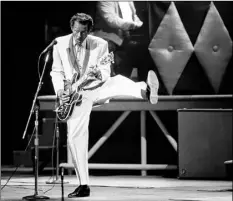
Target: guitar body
64 111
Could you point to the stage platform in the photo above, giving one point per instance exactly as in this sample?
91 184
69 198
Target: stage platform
119 187
47 103
128 105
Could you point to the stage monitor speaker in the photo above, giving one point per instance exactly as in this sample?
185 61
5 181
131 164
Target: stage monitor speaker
204 142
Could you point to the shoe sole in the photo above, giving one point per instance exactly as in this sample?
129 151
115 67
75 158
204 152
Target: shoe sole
87 194
153 83
80 196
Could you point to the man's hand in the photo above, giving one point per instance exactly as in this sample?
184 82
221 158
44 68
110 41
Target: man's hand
63 96
138 24
135 24
137 21
68 86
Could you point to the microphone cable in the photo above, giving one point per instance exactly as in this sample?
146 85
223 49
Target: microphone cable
54 133
53 145
18 164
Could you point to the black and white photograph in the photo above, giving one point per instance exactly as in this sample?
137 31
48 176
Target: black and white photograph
116 100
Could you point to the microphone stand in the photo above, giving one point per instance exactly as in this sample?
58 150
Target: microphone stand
57 180
34 109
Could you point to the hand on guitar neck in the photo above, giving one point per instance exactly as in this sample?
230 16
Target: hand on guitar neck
63 95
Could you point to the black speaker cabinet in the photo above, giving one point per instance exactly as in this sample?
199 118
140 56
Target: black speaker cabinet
204 142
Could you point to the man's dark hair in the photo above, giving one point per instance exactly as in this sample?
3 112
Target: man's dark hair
83 19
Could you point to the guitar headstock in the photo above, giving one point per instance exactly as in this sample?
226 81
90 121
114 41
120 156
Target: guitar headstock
107 59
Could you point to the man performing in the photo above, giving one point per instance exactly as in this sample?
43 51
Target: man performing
80 55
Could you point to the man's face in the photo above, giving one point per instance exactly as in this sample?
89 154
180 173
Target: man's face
80 32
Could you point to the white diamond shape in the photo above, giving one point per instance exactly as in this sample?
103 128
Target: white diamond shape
171 48
214 47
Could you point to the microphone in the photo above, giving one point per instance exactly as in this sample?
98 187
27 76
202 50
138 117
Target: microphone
54 42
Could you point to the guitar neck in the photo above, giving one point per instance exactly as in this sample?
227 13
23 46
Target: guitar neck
81 80
107 59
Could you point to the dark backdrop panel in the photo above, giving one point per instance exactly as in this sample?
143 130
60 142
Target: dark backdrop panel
195 77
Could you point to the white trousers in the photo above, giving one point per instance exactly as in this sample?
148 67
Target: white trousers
78 123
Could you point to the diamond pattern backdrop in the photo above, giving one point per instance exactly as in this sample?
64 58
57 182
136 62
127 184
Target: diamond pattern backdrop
191 46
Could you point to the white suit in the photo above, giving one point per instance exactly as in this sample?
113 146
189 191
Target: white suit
64 65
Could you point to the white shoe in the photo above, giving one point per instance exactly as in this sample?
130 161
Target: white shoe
153 83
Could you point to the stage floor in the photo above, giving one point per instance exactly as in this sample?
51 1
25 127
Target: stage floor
118 188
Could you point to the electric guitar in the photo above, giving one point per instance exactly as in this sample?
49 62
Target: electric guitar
64 110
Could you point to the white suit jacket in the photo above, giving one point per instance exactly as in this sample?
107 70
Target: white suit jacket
64 62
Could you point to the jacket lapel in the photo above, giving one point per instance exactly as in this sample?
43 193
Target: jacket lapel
87 55
71 55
